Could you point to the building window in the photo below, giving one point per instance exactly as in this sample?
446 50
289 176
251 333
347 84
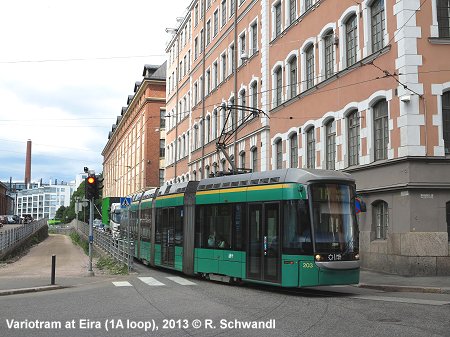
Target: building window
278 86
161 177
308 4
351 42
162 120
443 17
353 138
292 11
380 114
277 19
242 48
294 150
254 159
446 120
293 77
215 75
216 22
242 102
208 128
377 23
195 48
310 148
242 159
231 58
380 219
329 54
162 148
232 2
196 15
254 32
309 55
208 32
331 144
224 66
254 98
279 154
224 12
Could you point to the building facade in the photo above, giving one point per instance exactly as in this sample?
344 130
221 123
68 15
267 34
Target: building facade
43 201
362 87
133 157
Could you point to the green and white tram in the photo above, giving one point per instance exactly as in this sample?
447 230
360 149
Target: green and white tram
290 228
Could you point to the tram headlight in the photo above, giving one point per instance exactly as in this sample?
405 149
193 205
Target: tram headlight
356 256
318 257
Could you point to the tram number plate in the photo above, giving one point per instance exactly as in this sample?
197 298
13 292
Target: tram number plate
307 265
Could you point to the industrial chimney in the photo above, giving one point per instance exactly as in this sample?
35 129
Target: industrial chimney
28 164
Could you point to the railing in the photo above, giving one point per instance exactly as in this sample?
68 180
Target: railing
10 238
119 249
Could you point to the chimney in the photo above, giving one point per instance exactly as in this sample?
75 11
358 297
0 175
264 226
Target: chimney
28 164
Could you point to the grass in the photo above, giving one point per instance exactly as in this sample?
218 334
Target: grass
114 267
77 240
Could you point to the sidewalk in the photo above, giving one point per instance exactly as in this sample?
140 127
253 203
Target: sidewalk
391 283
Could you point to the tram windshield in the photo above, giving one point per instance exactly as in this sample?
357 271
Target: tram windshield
334 221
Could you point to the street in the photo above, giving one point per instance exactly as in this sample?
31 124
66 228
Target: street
171 304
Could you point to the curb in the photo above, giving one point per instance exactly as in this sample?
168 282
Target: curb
410 289
30 290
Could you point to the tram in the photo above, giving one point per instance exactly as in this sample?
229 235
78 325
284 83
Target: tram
289 228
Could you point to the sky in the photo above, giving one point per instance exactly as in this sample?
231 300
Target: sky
66 70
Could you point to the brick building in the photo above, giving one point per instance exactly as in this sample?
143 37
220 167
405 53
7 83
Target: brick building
362 87
133 157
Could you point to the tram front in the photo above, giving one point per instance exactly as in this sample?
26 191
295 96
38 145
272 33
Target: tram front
335 232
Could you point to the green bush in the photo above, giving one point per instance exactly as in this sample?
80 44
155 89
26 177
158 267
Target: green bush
78 240
114 267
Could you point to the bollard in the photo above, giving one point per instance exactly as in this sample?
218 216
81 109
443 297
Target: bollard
53 269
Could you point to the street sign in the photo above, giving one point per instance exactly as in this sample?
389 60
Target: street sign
125 202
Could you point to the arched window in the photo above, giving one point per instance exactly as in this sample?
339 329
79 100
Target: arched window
377 24
309 66
328 53
208 129
381 129
254 159
330 144
354 138
254 93
380 215
242 159
294 150
310 148
293 77
446 120
351 40
243 102
278 86
279 154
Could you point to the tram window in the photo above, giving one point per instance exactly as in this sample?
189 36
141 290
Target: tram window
297 228
239 227
199 222
179 226
159 219
218 224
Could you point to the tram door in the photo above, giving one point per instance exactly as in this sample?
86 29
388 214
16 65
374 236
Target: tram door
167 238
264 254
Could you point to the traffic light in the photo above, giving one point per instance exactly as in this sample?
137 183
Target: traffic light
91 187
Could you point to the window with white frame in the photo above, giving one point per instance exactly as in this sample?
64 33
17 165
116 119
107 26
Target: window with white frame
310 148
223 58
216 22
443 18
328 43
354 138
308 4
243 102
254 37
446 120
208 129
351 40
254 152
293 140
254 94
277 19
231 58
224 12
292 77
208 32
380 211
215 75
309 66
242 159
208 81
232 2
278 92
242 47
377 24
330 134
202 39
278 154
292 11
381 129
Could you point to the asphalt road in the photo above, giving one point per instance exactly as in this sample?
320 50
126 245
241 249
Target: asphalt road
176 305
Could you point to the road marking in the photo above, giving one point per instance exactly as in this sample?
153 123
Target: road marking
122 284
402 300
181 281
151 281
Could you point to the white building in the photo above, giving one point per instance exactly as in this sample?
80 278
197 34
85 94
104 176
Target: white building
43 201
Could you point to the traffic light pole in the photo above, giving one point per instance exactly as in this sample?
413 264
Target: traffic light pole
91 235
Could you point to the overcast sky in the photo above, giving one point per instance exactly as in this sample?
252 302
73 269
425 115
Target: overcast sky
66 70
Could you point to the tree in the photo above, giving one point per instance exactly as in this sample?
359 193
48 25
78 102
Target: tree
60 213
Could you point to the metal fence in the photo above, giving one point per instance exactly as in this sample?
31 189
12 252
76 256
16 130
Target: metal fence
119 249
10 238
